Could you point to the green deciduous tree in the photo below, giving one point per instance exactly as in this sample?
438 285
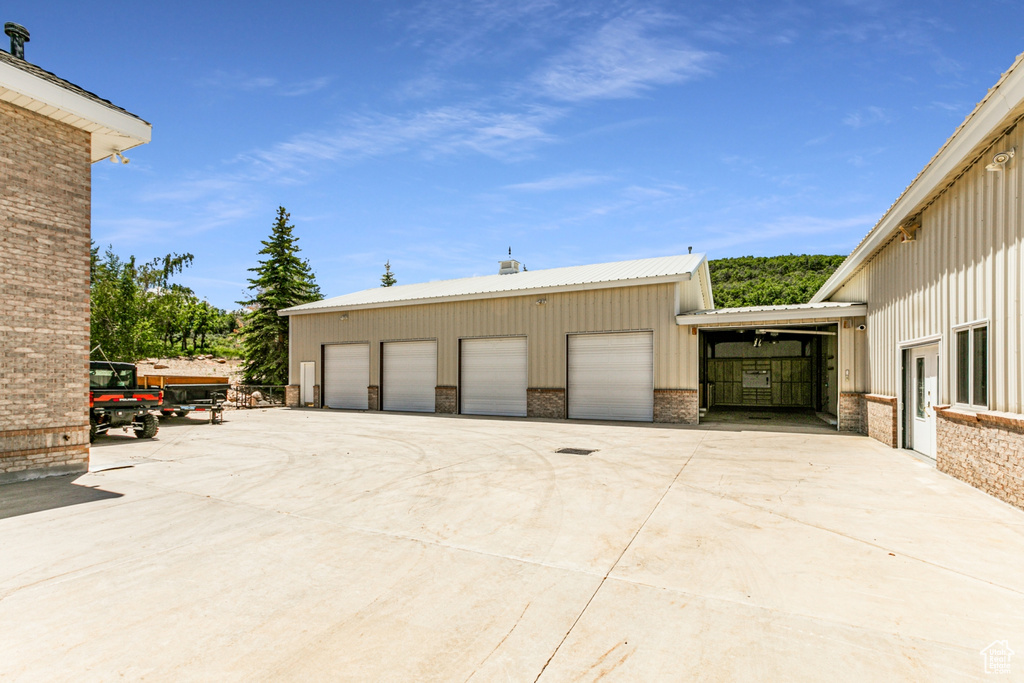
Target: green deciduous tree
136 311
281 280
128 302
769 280
388 278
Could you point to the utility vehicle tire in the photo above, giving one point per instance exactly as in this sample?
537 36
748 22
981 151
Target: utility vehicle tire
92 429
149 427
181 413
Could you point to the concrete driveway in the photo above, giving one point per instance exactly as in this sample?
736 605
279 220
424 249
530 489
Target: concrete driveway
314 545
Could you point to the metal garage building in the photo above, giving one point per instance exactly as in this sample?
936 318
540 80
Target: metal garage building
590 342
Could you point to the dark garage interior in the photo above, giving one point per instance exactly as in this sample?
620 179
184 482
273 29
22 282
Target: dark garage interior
782 374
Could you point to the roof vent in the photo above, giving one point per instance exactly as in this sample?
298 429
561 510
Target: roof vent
508 267
19 36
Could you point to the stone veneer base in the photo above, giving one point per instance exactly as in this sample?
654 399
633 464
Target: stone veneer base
679 406
882 416
446 400
852 412
549 403
986 450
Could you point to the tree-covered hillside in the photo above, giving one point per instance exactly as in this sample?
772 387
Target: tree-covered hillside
769 280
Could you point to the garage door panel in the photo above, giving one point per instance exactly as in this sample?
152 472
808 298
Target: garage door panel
410 376
493 376
611 376
346 376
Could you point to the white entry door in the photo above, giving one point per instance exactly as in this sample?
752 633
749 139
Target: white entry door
923 388
611 376
410 376
493 376
307 378
346 376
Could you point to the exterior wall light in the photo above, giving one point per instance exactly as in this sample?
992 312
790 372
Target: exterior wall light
1000 160
343 317
541 302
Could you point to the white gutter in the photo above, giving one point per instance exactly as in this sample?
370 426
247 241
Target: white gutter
727 316
980 129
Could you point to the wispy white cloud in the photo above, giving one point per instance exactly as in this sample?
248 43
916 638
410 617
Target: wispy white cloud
452 31
568 181
767 234
866 117
433 132
235 80
621 59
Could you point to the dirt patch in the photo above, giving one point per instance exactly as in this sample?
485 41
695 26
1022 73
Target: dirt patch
199 366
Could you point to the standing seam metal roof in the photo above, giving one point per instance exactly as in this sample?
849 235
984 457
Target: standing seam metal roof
626 272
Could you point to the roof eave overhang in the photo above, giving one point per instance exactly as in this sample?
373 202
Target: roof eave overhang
111 130
767 317
1005 104
505 294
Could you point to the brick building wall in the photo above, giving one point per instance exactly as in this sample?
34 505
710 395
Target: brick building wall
545 403
676 405
882 418
986 450
45 192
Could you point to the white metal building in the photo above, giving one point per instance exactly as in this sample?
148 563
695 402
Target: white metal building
589 342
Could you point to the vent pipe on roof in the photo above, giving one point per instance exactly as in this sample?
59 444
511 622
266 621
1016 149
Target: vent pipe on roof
19 36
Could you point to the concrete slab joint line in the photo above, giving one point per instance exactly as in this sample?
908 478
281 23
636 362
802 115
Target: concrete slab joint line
470 550
622 554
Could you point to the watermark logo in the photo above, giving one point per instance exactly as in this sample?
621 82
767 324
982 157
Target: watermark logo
997 657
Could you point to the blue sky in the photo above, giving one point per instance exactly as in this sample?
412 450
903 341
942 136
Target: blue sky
437 134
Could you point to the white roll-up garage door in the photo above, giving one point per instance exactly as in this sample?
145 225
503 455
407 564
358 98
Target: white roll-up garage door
410 375
493 376
346 376
611 376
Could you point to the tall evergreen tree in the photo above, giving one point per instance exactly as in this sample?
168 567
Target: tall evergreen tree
282 280
388 278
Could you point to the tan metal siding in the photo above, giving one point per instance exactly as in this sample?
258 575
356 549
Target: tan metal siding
650 307
964 266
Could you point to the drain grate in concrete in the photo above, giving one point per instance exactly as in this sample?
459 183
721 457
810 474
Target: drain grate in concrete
577 451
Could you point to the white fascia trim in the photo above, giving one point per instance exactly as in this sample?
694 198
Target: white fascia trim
921 341
768 317
705 275
980 127
505 294
974 323
51 94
